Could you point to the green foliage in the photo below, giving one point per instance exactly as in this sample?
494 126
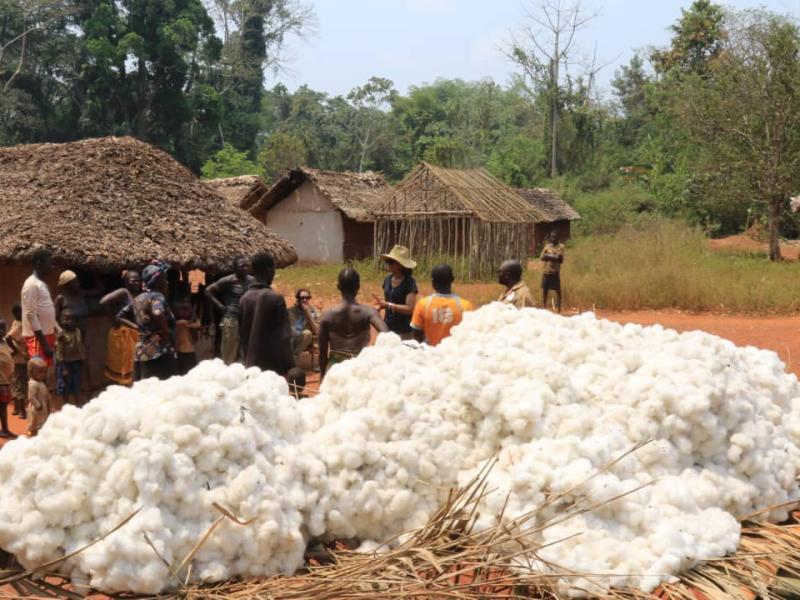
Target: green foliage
228 162
607 211
281 151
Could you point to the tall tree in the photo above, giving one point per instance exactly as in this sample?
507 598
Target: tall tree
698 38
744 113
370 121
255 32
543 50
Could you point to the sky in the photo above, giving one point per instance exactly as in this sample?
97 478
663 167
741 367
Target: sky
413 42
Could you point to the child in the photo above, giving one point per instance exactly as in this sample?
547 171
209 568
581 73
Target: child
19 350
38 395
186 327
70 354
6 377
296 377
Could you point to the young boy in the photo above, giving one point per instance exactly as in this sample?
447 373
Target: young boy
70 354
19 350
38 395
6 377
186 327
296 378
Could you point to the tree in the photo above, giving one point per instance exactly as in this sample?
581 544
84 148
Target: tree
228 162
630 86
544 47
254 34
697 40
744 113
370 121
281 151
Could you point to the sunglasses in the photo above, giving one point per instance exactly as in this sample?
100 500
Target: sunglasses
305 297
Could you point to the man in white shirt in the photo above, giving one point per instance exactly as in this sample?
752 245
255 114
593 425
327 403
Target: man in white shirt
38 311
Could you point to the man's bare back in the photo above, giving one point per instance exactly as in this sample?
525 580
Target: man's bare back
348 325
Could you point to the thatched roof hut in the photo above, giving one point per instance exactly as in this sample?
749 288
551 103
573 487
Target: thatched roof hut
467 214
242 191
553 214
327 215
111 203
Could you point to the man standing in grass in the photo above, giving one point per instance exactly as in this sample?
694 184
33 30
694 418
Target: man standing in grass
435 315
517 293
552 258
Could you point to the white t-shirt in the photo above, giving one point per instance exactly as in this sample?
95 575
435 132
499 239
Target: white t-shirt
38 310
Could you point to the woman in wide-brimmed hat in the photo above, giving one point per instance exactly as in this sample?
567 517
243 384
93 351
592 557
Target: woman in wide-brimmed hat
399 291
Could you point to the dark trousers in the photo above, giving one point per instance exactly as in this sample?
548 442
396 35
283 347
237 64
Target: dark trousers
186 362
163 367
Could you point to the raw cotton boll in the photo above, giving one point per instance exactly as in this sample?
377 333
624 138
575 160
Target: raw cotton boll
558 400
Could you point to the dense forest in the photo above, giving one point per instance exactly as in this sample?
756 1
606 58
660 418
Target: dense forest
706 130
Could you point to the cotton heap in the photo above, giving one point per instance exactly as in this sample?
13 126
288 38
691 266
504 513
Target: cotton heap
556 399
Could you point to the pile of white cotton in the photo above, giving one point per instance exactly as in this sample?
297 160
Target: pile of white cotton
556 399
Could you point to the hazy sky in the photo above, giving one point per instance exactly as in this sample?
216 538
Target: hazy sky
417 41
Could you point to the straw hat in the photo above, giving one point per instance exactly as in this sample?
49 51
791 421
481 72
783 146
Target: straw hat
66 277
402 255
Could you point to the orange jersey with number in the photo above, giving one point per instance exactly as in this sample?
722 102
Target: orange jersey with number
437 314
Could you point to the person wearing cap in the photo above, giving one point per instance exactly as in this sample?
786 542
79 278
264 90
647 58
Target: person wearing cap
72 297
399 292
155 351
38 312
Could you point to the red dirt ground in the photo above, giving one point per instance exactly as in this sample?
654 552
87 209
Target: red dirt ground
744 243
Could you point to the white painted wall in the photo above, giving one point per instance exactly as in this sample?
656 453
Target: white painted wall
311 223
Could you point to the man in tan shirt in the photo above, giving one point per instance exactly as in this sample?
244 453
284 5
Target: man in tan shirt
517 293
552 257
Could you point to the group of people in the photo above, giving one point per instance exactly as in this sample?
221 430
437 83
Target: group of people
45 333
152 337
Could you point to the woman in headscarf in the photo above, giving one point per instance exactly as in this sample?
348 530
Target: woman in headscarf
155 351
123 335
399 292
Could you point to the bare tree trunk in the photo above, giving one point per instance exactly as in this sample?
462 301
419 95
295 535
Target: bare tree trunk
554 107
774 225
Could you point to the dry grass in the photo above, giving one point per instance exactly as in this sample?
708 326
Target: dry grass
668 265
656 265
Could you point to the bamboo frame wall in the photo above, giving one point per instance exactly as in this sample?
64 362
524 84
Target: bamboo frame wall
474 248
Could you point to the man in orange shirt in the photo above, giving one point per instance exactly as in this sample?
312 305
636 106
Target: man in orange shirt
435 315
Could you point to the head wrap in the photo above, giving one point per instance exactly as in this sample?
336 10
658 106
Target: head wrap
152 273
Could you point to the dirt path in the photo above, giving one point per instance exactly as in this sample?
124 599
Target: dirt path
780 334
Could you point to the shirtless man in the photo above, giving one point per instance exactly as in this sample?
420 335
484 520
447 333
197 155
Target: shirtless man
344 329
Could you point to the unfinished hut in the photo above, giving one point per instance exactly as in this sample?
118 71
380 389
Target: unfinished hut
326 215
242 191
104 205
467 216
552 214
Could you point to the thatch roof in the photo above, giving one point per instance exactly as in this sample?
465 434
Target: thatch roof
355 194
429 190
548 205
242 191
112 203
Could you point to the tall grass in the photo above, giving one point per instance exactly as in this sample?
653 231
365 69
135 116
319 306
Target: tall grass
668 265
